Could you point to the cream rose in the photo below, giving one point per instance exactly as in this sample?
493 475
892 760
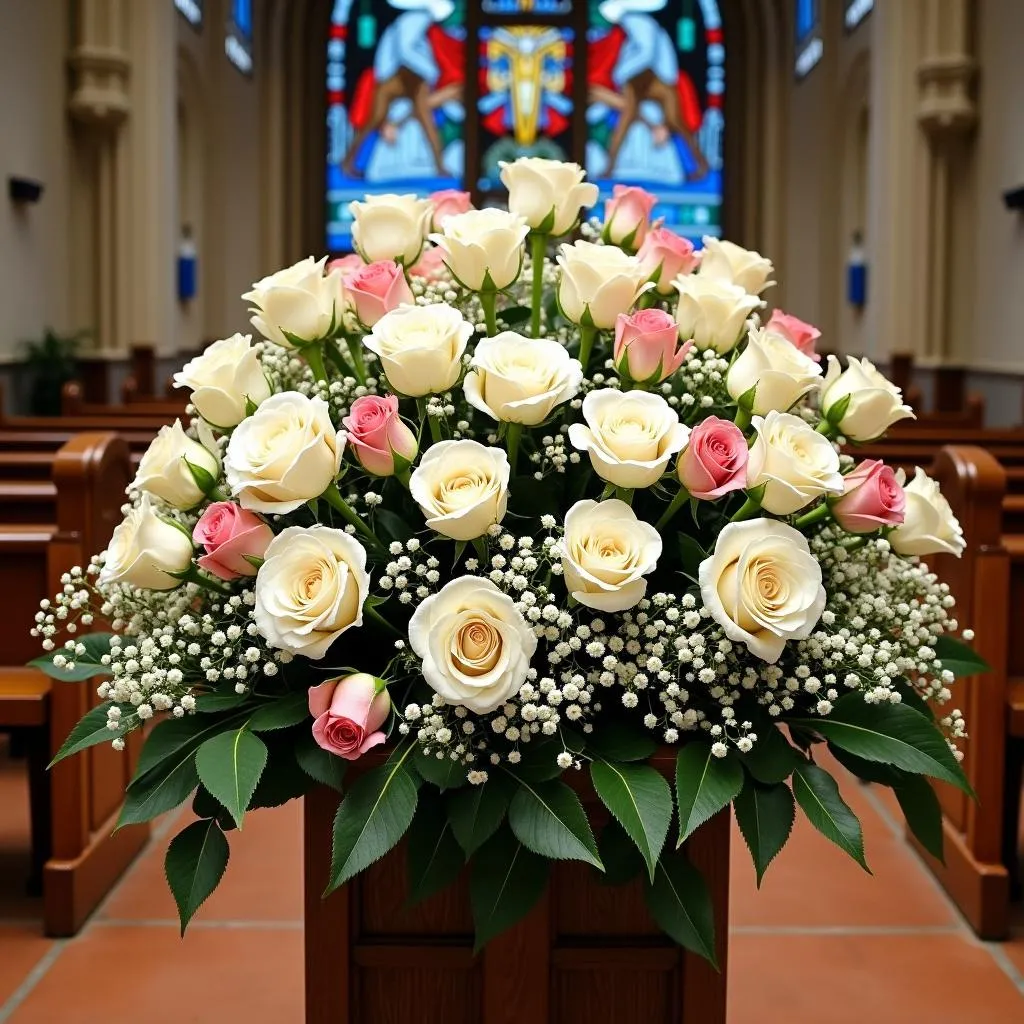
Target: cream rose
145 549
929 526
391 227
598 282
794 463
778 373
520 380
224 379
483 248
284 454
712 313
606 553
547 194
310 589
420 347
476 648
630 437
726 261
298 305
461 487
763 586
164 470
859 401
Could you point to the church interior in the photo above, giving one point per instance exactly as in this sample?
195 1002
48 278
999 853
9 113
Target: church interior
160 156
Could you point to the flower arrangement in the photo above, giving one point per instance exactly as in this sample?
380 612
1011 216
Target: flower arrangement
487 528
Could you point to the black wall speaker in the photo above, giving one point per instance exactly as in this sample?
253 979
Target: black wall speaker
1014 198
24 190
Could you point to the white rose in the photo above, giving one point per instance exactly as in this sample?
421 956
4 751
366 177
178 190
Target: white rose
283 455
297 305
726 261
794 462
763 586
476 648
520 380
145 549
310 588
483 248
606 552
224 378
711 312
598 282
777 371
461 487
547 194
929 526
391 227
164 469
861 402
630 437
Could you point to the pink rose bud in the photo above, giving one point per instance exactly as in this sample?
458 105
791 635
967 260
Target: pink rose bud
347 714
377 434
715 460
346 264
800 335
376 289
872 498
627 216
229 533
665 255
647 346
430 265
447 203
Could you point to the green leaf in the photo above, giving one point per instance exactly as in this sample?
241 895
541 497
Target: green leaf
892 734
230 766
161 789
285 712
205 806
372 817
282 779
869 771
923 813
640 800
772 759
175 737
619 741
818 796
506 882
679 901
959 658
207 703
765 815
691 554
86 665
391 526
90 730
444 773
320 764
619 854
539 761
194 865
913 699
549 819
477 811
434 857
704 785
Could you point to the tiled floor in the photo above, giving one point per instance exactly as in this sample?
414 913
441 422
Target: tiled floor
821 943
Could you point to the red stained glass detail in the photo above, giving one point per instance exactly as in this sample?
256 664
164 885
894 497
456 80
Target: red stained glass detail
335 97
339 31
714 35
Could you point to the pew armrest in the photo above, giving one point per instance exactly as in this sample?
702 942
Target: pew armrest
24 697
1015 707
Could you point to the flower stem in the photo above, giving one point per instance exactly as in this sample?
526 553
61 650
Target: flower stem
514 431
372 613
587 336
677 503
538 247
747 510
742 419
333 498
489 301
624 494
826 428
816 515
355 350
314 355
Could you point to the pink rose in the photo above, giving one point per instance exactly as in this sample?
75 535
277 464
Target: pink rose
872 498
229 533
715 460
800 335
377 288
627 216
647 346
346 264
665 256
447 203
431 264
376 433
347 714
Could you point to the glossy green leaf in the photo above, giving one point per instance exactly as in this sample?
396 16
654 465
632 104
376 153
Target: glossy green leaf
86 665
549 819
476 812
704 785
281 714
443 773
230 766
161 789
959 658
923 813
209 703
818 796
765 815
619 854
772 758
194 865
679 901
620 741
320 764
91 730
434 857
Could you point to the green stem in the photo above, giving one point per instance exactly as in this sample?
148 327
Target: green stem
624 494
826 428
816 515
489 300
648 299
372 613
742 419
333 498
538 247
193 575
677 503
514 431
314 355
355 350
747 510
587 336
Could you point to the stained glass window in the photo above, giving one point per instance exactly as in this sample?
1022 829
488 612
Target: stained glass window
395 114
526 6
191 11
655 87
809 45
856 11
238 39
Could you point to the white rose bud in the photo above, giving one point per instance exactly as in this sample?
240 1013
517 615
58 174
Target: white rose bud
521 380
547 194
598 282
726 261
712 313
177 469
283 455
776 371
606 553
145 549
298 305
483 248
476 648
461 487
793 462
929 526
763 586
391 227
629 436
859 401
310 589
224 378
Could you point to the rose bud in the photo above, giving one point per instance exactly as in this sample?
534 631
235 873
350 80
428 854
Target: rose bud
376 289
665 256
430 265
231 536
627 216
446 203
800 335
377 434
872 498
715 461
348 713
346 264
647 346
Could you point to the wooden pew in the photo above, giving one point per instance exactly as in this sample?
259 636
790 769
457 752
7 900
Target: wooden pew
160 410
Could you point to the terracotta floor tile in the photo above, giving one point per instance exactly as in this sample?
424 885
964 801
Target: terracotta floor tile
15 839
263 881
21 948
148 974
884 979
